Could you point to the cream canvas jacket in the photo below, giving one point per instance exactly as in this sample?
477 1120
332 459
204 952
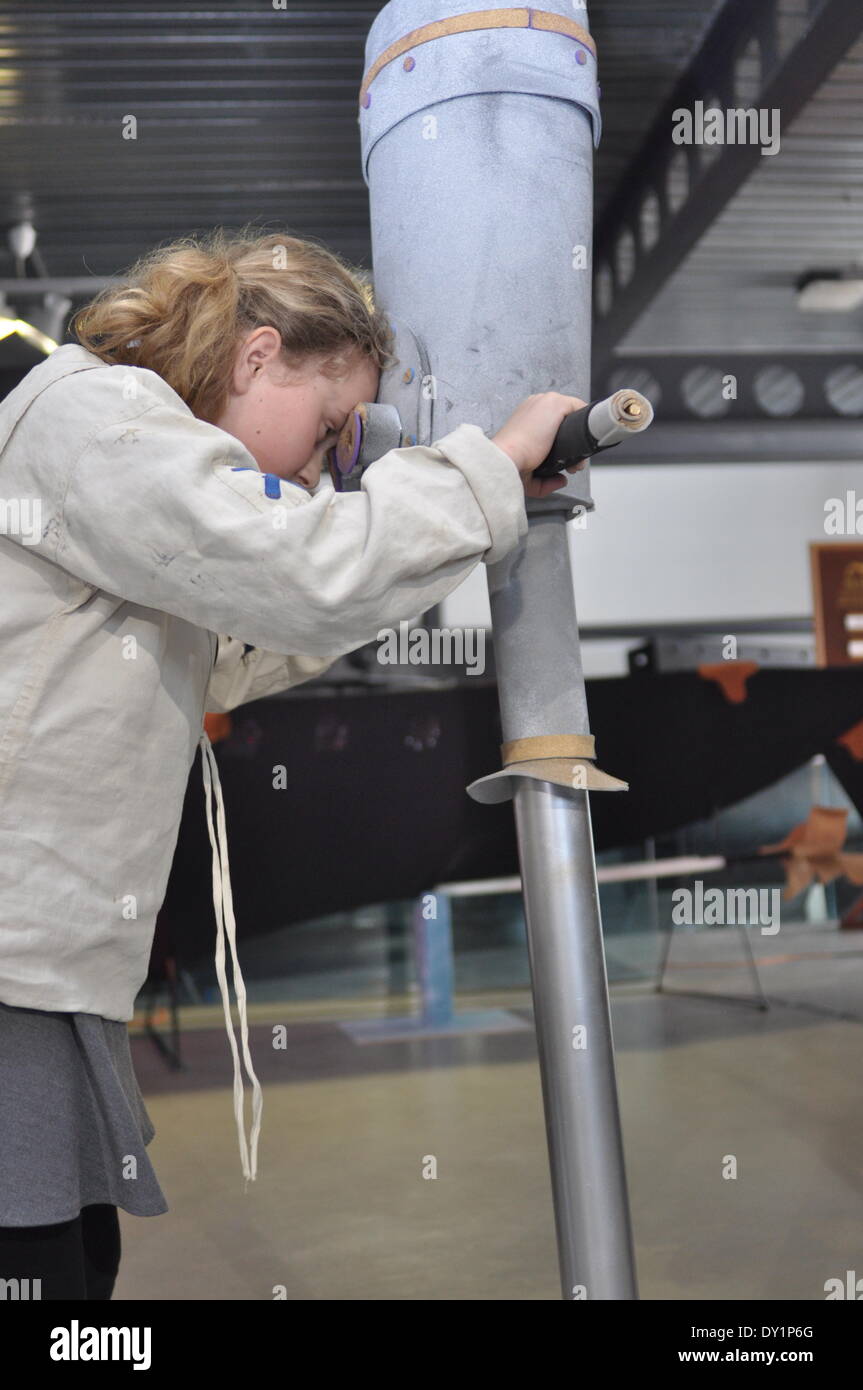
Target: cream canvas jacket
141 551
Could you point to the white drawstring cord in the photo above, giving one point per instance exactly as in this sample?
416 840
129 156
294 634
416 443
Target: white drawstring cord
226 926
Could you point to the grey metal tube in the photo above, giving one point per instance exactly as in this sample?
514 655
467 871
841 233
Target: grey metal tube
567 966
536 647
477 149
541 690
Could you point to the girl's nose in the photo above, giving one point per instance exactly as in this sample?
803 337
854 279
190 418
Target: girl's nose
310 474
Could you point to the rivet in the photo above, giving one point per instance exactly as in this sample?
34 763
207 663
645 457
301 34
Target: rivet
409 64
367 99
580 56
409 375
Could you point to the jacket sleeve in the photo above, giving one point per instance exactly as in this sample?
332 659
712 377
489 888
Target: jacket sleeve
165 510
239 676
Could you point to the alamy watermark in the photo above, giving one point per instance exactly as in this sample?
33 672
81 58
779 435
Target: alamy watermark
849 1287
21 516
436 646
732 126
843 516
77 1343
720 907
20 1290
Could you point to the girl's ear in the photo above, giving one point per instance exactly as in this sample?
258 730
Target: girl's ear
253 354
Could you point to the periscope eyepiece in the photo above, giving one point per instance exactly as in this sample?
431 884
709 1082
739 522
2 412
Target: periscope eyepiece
373 429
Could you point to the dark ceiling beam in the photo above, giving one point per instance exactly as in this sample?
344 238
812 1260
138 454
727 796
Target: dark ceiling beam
787 83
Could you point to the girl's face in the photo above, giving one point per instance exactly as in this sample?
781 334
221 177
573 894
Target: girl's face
289 419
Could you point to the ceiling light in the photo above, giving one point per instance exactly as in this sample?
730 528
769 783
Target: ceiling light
22 239
829 292
10 323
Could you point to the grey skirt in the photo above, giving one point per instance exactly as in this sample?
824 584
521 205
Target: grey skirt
73 1124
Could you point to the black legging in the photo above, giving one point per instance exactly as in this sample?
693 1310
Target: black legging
75 1259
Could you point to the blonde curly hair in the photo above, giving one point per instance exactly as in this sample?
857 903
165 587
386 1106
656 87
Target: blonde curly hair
183 309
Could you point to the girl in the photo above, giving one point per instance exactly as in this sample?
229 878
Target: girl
179 559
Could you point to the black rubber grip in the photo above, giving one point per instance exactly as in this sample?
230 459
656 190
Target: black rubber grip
572 443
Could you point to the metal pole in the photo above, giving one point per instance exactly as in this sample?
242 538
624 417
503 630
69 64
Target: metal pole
478 126
541 686
573 1027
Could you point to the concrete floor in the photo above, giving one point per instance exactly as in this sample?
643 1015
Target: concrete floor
341 1211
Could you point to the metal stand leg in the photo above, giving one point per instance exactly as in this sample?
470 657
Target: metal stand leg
756 978
761 1002
652 886
170 1051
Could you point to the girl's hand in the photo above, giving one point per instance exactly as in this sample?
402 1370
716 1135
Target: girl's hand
529 434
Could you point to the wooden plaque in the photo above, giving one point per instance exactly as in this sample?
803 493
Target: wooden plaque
837 602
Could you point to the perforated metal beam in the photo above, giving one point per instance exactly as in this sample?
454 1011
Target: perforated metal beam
754 407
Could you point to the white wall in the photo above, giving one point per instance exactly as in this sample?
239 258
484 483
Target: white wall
680 543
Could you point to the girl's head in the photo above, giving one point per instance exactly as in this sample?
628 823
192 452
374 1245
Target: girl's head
272 338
